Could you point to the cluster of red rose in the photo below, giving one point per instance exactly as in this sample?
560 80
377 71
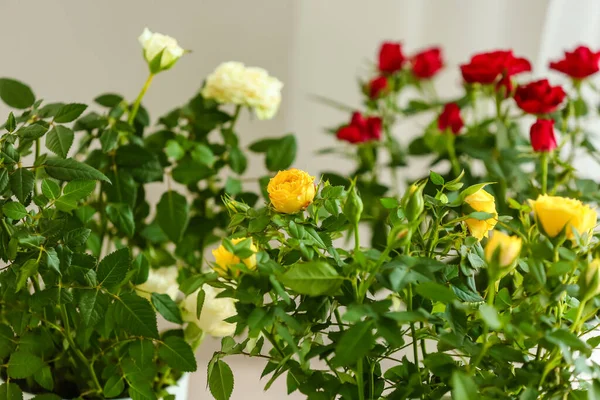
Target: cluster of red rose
423 65
493 68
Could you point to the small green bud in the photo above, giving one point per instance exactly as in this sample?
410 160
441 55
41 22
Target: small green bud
413 202
589 281
353 207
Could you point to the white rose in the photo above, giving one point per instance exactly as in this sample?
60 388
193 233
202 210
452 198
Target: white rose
262 92
155 43
214 312
233 83
161 280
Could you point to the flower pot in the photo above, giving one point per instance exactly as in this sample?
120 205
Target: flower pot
180 391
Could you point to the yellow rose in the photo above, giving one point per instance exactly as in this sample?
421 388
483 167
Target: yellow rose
556 214
291 191
225 260
506 247
481 201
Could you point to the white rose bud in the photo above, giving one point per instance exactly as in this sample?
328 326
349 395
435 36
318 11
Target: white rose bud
214 312
160 51
161 280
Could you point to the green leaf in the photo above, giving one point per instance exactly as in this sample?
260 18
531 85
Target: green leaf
52 260
114 386
21 183
354 344
3 179
69 169
262 145
177 353
167 307
50 189
435 291
136 315
91 306
69 112
46 396
27 270
15 210
11 123
59 140
73 192
313 278
108 140
237 160
121 216
436 178
109 99
490 316
32 132
141 266
204 155
44 378
389 202
7 341
172 213
200 302
463 387
10 391
22 365
113 268
220 380
16 94
282 154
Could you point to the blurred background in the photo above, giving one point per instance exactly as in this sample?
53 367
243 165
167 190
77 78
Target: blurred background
72 50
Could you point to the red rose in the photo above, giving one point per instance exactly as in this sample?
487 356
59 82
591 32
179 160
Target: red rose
539 97
578 64
360 129
486 68
427 63
391 58
450 119
542 135
377 86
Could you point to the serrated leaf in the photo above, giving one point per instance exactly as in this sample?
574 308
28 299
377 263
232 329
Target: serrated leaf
69 169
73 192
11 123
44 378
109 99
14 210
92 306
282 154
114 386
50 189
200 303
10 391
142 351
463 387
113 268
7 341
3 179
16 94
313 278
220 380
172 213
167 307
23 365
28 269
21 183
135 315
108 140
69 112
354 344
32 132
121 216
59 140
52 260
177 353
436 178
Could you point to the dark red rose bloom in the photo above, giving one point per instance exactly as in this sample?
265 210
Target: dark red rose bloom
505 86
450 119
578 64
539 97
391 58
427 63
542 135
360 129
486 68
377 86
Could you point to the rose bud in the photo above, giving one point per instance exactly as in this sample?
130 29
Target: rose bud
391 58
450 119
377 87
542 135
501 252
427 63
160 51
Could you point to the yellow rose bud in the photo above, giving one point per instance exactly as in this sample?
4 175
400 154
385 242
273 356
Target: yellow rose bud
502 250
225 259
556 214
485 202
291 191
589 282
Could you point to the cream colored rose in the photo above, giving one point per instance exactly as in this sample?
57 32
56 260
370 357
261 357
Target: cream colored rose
214 312
155 43
234 83
161 280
